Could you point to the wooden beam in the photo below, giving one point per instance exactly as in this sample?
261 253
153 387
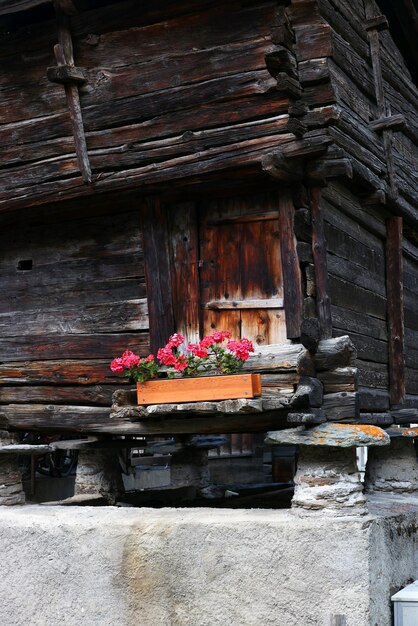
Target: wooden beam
292 277
154 222
394 286
64 56
319 249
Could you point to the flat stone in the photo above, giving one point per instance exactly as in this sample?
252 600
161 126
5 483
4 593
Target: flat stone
332 435
25 448
402 432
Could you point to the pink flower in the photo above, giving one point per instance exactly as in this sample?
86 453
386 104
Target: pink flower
175 340
166 356
181 364
207 341
196 349
241 349
129 359
220 335
117 366
150 358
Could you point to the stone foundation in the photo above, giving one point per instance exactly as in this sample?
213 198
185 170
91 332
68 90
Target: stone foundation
327 480
204 567
99 473
393 468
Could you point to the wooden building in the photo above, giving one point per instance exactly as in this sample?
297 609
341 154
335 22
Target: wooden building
190 165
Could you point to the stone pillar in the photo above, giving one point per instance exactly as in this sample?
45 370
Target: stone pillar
393 468
11 488
99 473
327 480
189 467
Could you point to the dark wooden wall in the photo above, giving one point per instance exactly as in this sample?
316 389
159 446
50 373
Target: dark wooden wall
73 297
356 264
183 85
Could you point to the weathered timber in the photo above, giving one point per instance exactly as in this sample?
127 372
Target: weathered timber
60 372
53 347
154 222
332 435
97 395
93 420
394 282
306 364
341 406
333 353
292 278
319 245
339 379
279 167
376 419
184 243
304 252
302 225
64 55
313 416
405 416
391 122
309 393
67 74
374 400
310 333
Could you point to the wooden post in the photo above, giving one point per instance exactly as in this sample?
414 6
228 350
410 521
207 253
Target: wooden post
394 288
292 277
375 23
64 56
319 250
157 272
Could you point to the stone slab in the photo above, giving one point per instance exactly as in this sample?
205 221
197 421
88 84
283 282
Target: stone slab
332 435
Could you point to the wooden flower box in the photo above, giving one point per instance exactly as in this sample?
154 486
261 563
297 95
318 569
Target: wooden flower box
204 388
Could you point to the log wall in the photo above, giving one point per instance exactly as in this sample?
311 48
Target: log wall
356 264
73 297
183 85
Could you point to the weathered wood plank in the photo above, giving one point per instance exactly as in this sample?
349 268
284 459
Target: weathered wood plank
292 278
53 347
109 317
62 372
97 420
97 395
319 248
157 272
394 281
184 253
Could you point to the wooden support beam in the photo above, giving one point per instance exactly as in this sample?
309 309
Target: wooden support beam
374 23
379 22
394 286
319 248
154 222
64 56
390 122
292 278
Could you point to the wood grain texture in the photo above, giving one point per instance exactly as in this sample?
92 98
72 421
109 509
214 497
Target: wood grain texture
199 389
394 281
292 278
157 272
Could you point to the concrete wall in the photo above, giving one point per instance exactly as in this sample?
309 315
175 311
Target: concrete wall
200 567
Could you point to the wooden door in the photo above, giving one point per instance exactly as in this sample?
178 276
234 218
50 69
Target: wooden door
240 268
